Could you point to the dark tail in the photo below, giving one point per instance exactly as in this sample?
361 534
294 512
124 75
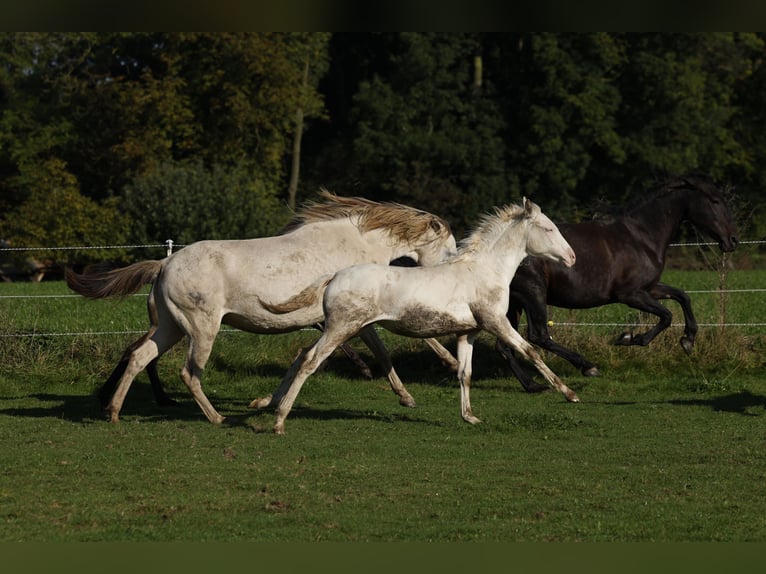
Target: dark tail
115 283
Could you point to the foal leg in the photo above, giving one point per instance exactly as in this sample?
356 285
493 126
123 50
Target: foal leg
464 372
372 340
662 291
301 369
351 354
509 336
526 380
442 352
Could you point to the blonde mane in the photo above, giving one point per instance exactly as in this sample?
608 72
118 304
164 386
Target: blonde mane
403 222
490 227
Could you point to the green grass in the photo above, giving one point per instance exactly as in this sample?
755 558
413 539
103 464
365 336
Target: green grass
663 447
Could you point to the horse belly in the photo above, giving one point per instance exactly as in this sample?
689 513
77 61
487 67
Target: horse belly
424 322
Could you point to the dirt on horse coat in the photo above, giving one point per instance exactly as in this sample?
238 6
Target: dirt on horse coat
208 283
462 296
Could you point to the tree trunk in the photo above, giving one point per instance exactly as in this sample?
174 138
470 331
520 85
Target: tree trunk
295 167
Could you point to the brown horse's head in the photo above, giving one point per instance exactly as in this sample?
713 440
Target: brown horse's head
707 210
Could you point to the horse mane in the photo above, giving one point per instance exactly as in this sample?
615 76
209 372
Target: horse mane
401 221
489 228
664 184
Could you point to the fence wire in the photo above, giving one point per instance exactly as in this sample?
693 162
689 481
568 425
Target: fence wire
169 245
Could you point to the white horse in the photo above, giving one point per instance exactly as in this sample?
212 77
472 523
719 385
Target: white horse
464 295
213 282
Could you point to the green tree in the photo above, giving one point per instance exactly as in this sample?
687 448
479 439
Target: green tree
186 202
560 100
56 214
427 131
115 107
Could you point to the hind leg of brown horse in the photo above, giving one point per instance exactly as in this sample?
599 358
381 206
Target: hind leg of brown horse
662 291
644 301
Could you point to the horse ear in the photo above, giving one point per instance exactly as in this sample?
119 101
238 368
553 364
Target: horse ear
531 209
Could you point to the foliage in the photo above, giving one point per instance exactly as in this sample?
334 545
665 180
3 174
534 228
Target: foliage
186 202
57 214
450 122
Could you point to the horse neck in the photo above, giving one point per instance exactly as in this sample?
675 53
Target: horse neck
508 251
387 244
660 219
343 236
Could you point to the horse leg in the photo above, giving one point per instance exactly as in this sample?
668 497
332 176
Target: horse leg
302 369
538 334
160 396
501 328
273 399
200 347
107 389
514 314
465 370
643 301
352 355
156 342
442 352
372 340
662 291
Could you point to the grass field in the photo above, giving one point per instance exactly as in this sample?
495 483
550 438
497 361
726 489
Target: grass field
663 447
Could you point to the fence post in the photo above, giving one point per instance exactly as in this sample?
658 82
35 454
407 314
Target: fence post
722 297
169 244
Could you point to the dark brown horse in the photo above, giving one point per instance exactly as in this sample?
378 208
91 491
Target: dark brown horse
619 260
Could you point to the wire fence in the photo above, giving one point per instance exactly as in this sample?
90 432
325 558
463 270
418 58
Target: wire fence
169 245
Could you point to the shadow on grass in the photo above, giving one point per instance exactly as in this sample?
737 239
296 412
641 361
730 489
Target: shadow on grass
86 409
742 403
265 423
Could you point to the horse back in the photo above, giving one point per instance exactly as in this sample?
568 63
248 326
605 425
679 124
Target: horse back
610 259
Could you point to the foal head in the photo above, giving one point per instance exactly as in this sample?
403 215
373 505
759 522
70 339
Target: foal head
544 239
707 210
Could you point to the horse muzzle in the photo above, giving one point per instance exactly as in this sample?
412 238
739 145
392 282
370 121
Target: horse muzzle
728 244
570 258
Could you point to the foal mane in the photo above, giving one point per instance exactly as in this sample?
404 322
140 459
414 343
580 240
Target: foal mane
490 227
400 221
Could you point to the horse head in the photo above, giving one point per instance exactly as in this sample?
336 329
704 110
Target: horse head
435 245
545 239
708 211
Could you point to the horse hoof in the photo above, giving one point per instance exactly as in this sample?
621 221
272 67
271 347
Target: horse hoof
592 372
572 398
408 402
260 403
687 344
624 339
471 419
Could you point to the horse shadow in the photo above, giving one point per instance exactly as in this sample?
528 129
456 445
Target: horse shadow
743 402
86 409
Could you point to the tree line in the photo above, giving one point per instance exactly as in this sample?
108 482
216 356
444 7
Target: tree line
134 138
